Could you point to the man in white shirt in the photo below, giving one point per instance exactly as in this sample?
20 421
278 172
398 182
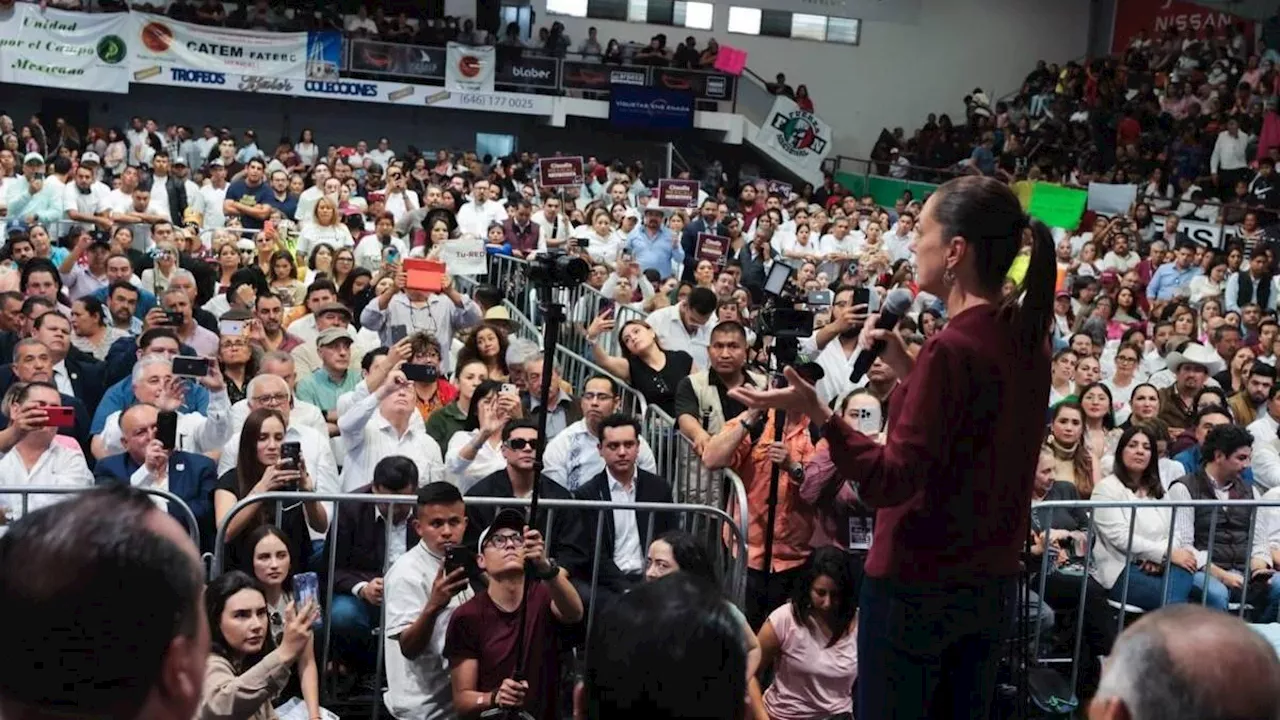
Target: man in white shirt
154 383
39 457
378 425
213 193
553 226
361 24
1229 161
420 598
475 217
1266 444
383 154
572 458
835 346
687 325
897 242
1121 257
400 200
84 200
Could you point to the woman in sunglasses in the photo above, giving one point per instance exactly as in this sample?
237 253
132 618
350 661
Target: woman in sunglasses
477 452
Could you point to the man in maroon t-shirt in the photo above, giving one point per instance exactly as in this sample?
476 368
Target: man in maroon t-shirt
480 643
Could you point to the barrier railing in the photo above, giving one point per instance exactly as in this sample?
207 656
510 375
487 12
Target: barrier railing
691 481
1093 538
523 325
511 276
189 517
717 525
577 370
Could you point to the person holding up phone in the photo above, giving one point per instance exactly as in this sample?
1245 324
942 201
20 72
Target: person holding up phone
834 346
38 458
440 314
422 591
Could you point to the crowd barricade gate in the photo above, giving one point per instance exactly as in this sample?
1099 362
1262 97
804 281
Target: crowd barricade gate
576 369
702 521
510 275
188 517
690 480
524 327
1121 606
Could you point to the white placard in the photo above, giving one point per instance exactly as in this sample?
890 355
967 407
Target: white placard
470 68
464 256
1111 199
53 48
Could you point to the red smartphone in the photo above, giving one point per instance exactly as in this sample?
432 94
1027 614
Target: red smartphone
60 416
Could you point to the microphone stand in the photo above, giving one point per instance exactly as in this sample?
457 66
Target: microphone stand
553 312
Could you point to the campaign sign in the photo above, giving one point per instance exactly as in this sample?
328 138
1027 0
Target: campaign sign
560 171
679 194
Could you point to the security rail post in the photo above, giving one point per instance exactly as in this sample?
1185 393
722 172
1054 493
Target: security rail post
25 491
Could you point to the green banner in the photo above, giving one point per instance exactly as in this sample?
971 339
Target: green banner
885 190
1057 206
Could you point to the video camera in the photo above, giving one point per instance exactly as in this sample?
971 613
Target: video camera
779 317
557 269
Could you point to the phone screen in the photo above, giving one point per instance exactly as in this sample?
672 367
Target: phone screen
306 588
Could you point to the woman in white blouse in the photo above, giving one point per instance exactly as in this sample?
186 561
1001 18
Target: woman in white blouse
603 240
476 453
306 148
327 228
1144 565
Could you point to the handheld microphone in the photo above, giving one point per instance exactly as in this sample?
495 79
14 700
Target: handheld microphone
895 306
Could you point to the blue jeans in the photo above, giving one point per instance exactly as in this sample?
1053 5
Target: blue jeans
1217 595
1144 589
353 621
930 652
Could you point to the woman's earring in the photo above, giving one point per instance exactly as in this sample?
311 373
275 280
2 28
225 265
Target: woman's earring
948 277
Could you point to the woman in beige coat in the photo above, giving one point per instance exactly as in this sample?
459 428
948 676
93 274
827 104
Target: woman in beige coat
239 682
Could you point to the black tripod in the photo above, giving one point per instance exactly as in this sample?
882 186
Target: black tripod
553 312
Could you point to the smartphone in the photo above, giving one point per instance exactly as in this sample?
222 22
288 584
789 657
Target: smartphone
821 297
868 420
779 273
306 588
607 313
290 456
173 318
231 327
391 255
60 416
459 556
167 429
861 296
196 367
421 373
398 333
509 389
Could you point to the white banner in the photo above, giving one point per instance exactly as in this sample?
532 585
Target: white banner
1209 235
470 68
353 90
156 40
798 139
1110 199
53 48
464 256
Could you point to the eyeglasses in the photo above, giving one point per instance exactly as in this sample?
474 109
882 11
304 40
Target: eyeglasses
519 444
503 541
272 399
234 344
1126 359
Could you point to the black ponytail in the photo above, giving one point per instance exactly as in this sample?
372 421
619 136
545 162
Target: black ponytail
1038 285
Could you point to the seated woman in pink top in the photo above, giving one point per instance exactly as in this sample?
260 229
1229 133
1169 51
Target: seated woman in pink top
812 645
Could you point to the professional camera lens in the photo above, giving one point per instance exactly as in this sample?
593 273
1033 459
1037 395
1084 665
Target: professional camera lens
556 269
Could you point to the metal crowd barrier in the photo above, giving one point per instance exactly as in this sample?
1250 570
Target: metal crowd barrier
1121 607
524 327
716 524
511 276
577 370
25 491
690 479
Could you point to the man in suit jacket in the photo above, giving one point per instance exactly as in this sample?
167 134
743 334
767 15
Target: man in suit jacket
33 362
146 463
706 222
626 537
362 555
568 541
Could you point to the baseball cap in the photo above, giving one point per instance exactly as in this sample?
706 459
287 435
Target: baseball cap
178 160
506 519
334 307
217 162
90 158
330 336
33 158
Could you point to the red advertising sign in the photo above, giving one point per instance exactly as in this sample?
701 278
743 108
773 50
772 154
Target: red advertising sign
681 194
1157 17
559 171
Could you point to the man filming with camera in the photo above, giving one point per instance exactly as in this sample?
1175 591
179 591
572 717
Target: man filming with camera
834 346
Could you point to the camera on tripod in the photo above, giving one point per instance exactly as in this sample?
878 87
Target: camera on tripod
557 269
779 317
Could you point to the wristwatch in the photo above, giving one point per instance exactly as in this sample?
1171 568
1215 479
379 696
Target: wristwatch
553 569
796 472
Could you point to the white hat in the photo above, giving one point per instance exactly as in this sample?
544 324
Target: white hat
653 206
1196 354
90 158
33 158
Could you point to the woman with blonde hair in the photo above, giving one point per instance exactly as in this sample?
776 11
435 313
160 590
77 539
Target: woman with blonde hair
1073 462
326 227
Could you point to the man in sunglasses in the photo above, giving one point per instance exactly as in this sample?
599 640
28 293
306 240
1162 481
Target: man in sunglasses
480 643
568 540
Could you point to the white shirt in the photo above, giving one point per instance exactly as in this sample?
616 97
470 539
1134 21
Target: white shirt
355 24
62 379
836 367
670 329
336 236
1150 531
370 437
474 219
369 252
601 250
628 554
213 197
1119 264
1266 451
197 434
417 689
1268 526
306 212
58 465
90 203
1184 526
572 458
382 157
465 473
1229 153
546 229
401 203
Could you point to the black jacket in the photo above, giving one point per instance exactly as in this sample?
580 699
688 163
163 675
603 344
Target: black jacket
361 544
649 489
568 543
85 372
689 241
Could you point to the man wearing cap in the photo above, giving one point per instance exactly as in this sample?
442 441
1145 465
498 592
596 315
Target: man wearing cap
82 279
29 199
334 377
1174 279
328 315
85 199
654 245
1191 365
212 195
480 643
